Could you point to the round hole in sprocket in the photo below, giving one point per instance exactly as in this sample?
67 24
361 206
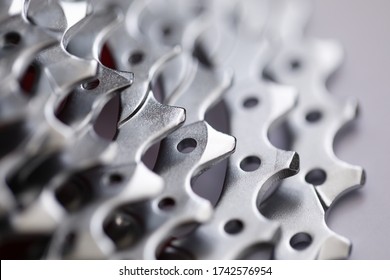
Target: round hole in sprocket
167 30
313 116
11 39
167 204
136 58
250 102
122 228
115 179
316 177
187 145
296 64
234 226
90 85
250 164
301 241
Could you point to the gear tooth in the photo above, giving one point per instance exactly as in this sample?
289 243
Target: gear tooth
335 248
363 177
129 76
295 163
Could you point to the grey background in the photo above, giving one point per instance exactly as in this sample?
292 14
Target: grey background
363 27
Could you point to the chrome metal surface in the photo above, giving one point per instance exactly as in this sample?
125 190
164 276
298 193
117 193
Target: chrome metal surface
96 199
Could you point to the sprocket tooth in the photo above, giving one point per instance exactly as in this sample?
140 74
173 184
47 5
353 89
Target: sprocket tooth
304 233
46 14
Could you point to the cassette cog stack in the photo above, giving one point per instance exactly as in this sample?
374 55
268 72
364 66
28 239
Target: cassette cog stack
87 88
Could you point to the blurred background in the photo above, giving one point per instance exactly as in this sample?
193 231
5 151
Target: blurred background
363 28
